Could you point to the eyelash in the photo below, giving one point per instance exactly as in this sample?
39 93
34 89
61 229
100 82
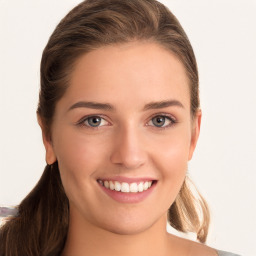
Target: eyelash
172 120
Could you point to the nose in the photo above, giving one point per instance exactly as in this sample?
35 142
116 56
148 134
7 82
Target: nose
129 150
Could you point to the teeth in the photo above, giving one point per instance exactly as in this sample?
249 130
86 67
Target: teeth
126 187
111 185
145 185
106 184
134 188
140 187
117 186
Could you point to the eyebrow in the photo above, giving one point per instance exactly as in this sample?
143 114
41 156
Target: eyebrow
163 104
92 105
109 107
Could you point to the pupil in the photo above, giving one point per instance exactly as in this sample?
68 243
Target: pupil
94 121
159 121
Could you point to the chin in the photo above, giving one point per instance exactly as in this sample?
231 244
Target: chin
131 226
127 230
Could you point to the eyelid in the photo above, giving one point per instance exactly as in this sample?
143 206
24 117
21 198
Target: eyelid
163 114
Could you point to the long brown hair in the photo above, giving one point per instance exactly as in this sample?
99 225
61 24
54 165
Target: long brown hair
41 226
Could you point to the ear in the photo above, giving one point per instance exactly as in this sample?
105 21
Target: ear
50 155
195 133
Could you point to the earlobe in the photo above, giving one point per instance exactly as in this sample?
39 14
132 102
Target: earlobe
195 133
50 156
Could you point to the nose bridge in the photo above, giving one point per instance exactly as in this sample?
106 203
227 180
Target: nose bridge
129 150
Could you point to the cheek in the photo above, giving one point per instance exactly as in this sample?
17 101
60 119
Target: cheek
79 157
78 152
174 164
172 160
173 150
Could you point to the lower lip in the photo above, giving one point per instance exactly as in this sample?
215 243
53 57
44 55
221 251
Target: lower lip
131 197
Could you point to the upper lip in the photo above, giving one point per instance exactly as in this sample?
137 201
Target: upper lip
127 179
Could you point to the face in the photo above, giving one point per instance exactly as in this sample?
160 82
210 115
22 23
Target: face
124 123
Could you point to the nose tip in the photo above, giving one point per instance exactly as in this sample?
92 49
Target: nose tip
128 151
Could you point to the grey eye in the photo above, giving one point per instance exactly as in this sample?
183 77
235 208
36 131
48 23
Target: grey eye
94 121
159 121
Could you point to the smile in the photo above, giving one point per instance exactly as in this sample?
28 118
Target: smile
125 187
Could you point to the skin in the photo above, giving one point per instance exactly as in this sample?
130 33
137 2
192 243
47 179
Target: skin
127 143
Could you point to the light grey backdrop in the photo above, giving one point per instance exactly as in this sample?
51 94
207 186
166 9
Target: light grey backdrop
223 35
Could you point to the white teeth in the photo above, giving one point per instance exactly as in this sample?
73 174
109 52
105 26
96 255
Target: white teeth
117 186
145 186
111 185
106 184
126 187
140 187
134 188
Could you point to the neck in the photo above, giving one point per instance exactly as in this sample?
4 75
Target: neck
85 238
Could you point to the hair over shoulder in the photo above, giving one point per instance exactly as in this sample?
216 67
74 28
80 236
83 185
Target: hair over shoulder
41 226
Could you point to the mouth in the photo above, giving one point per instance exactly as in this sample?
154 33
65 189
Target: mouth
126 190
125 187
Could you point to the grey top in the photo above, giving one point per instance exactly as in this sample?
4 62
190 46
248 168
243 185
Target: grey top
8 211
222 253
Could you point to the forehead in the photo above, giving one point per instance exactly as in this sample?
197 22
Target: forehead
133 72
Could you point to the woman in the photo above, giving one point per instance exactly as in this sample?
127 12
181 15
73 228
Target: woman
120 117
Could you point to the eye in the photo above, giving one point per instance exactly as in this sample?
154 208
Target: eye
161 121
93 121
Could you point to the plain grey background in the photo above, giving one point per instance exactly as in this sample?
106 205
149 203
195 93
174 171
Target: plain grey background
223 35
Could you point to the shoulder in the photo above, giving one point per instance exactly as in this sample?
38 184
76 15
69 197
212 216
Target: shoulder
192 248
222 253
